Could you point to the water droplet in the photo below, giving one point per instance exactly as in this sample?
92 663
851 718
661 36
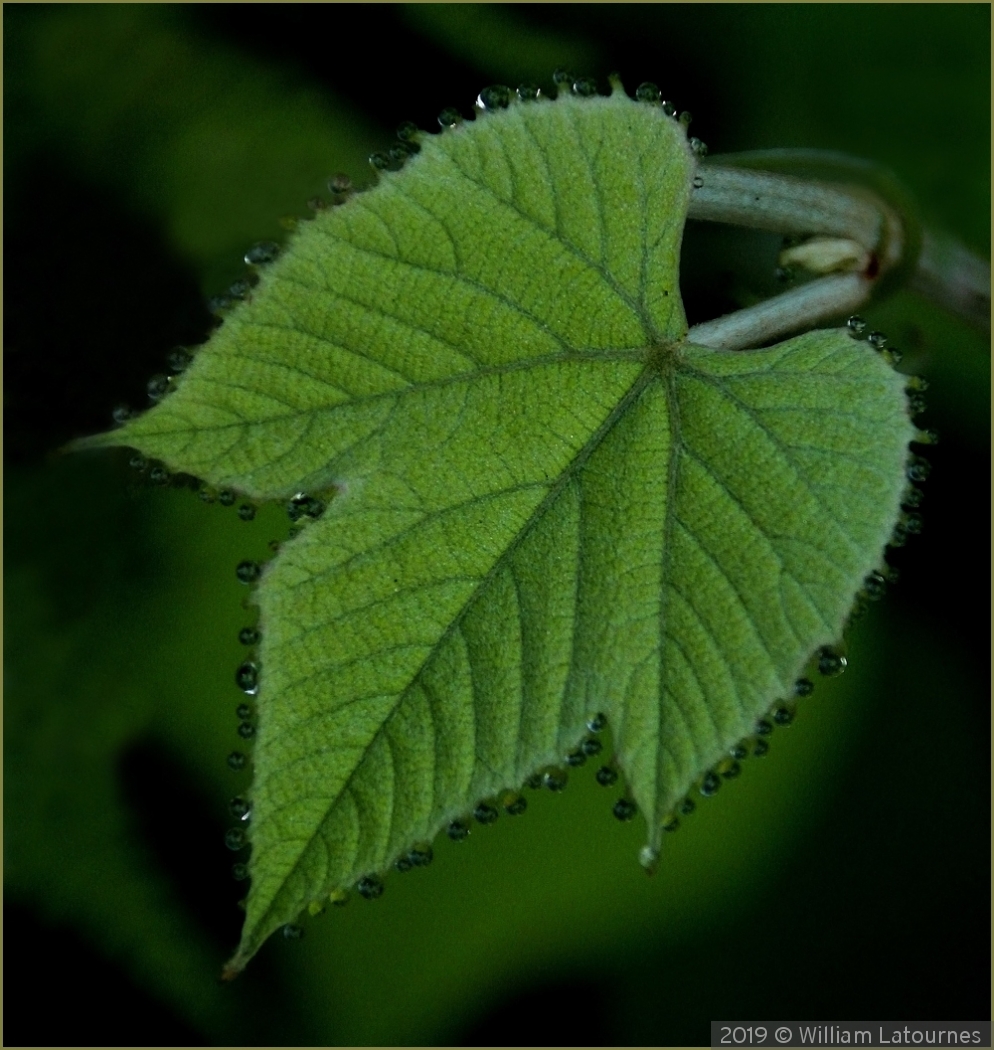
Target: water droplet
207 495
247 677
316 204
291 932
763 728
585 87
302 504
370 887
760 748
248 571
234 838
239 807
710 784
729 769
698 182
783 716
239 872
179 359
893 356
457 830
262 253
421 856
236 760
249 636
497 96
121 414
648 92
534 781
856 326
738 751
528 92
403 864
687 806
226 498
316 908
575 758
219 304
408 131
670 822
596 723
485 813
697 147
669 109
649 859
916 405
157 387
339 185
563 80
339 898
606 776
555 779
246 730
240 289
244 711
830 663
913 524
912 497
449 117
685 119
926 437
158 475
514 804
246 512
139 463
400 155
877 340
803 687
874 586
918 469
624 809
916 383
591 747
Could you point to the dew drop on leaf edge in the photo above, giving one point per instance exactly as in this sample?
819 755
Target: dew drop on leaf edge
624 809
370 887
239 807
234 838
248 571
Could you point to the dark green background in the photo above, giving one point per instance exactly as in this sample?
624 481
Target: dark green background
846 876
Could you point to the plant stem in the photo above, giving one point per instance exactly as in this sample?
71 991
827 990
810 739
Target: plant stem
950 274
763 200
945 271
801 307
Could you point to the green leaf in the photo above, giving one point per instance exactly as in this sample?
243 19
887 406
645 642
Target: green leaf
542 501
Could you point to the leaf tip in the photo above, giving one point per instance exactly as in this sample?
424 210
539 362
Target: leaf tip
649 858
107 439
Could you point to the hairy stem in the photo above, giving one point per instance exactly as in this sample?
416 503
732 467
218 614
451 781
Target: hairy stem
734 191
763 200
832 296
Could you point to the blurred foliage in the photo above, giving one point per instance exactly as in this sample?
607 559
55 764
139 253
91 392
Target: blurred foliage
146 148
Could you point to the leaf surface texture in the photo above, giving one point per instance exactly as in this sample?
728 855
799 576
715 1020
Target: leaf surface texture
543 502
